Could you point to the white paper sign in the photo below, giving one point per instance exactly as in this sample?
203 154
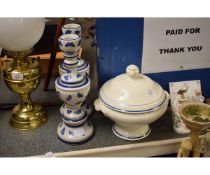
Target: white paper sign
17 76
172 44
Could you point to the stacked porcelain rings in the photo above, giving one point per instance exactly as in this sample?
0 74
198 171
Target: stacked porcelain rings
72 87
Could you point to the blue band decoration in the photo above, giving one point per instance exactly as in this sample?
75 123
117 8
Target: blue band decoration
71 85
75 119
134 111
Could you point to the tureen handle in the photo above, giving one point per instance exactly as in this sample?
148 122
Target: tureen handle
97 105
133 71
100 107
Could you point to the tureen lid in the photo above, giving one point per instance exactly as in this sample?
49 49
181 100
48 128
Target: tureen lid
132 92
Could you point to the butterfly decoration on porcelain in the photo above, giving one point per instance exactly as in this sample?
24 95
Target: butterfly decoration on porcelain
72 28
70 44
73 88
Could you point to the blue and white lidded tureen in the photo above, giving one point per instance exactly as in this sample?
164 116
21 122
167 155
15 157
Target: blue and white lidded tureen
132 101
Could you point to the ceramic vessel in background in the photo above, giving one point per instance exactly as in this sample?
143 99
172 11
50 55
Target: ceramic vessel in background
196 116
178 124
132 101
72 28
183 92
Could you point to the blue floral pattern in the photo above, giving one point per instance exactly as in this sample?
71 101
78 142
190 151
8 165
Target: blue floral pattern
71 133
77 32
69 98
68 32
69 111
67 77
80 95
78 111
69 44
68 71
60 43
63 131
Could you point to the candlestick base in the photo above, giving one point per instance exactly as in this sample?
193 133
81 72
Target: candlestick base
75 134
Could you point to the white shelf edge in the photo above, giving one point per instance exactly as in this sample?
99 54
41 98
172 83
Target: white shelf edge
146 149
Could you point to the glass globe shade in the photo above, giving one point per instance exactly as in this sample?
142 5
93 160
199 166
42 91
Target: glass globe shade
19 34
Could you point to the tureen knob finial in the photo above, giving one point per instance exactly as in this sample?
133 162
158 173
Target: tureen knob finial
133 71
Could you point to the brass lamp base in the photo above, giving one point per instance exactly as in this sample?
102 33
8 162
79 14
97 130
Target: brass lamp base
24 119
22 75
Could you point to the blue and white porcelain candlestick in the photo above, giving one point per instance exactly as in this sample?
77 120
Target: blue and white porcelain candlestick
83 66
73 88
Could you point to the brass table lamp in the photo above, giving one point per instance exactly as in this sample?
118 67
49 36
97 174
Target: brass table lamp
196 117
22 74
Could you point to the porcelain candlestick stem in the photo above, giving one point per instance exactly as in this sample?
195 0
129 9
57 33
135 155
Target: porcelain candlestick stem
82 67
73 88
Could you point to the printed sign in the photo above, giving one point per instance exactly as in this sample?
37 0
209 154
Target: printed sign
172 44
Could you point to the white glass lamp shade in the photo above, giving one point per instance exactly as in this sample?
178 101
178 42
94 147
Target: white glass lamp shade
19 34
